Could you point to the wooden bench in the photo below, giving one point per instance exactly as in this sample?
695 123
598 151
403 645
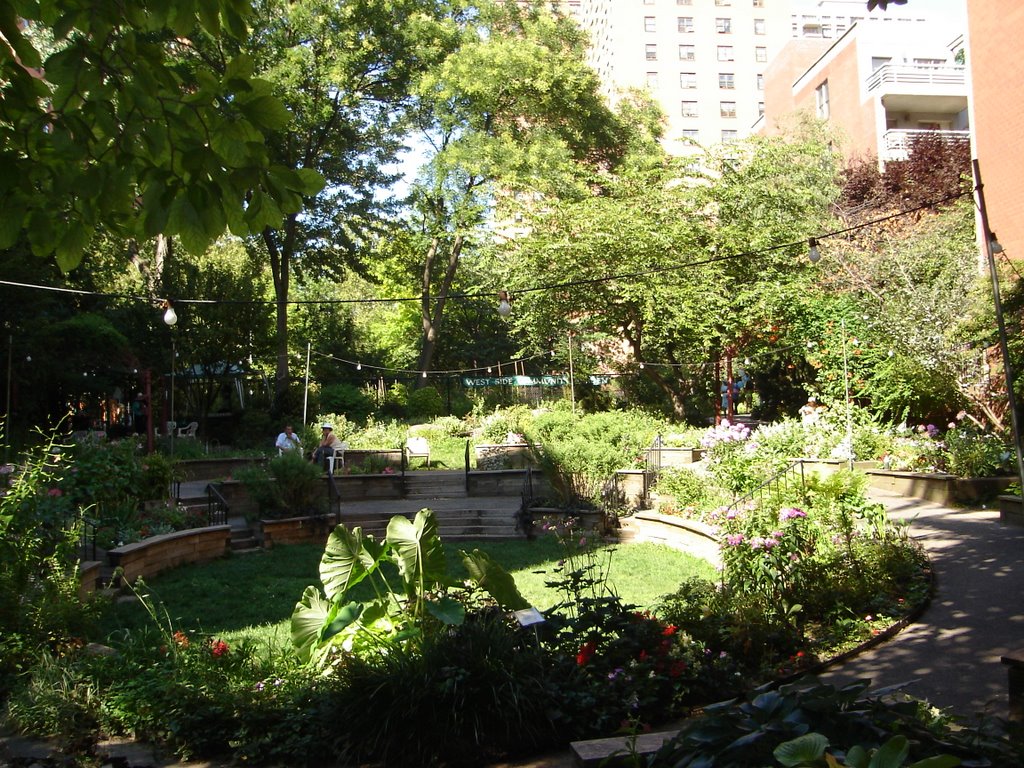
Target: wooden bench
1014 662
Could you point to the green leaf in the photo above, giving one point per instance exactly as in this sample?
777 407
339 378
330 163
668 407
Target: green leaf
239 68
312 181
447 610
417 550
857 757
308 619
11 220
348 559
801 750
72 244
938 761
891 754
266 112
497 582
209 17
346 616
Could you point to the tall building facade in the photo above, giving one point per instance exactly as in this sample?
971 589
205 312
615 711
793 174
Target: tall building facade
704 61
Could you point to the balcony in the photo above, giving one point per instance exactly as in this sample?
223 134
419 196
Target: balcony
896 143
911 78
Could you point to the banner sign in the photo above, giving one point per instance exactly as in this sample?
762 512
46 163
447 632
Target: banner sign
526 381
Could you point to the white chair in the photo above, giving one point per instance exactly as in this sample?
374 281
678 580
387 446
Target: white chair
338 458
418 446
189 430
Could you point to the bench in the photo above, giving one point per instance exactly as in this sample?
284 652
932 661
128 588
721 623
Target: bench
1014 662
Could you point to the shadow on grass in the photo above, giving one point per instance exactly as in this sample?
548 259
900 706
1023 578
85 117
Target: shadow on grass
261 589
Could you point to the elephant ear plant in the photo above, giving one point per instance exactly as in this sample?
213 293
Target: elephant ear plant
324 622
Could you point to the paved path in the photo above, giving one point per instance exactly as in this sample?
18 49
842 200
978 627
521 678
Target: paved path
952 653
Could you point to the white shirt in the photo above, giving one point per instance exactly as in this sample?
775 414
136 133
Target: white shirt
286 442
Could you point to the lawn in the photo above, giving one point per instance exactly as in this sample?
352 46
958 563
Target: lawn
252 596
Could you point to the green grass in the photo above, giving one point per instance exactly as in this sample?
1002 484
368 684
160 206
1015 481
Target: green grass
252 596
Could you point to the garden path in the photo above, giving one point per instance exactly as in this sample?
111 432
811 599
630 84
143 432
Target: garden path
951 655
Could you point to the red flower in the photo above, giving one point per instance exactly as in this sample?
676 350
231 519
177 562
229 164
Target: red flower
219 648
55 492
670 630
677 668
181 639
643 655
586 653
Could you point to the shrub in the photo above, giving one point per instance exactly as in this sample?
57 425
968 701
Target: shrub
424 403
346 399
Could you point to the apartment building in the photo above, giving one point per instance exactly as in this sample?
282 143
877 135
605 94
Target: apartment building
882 82
704 61
997 100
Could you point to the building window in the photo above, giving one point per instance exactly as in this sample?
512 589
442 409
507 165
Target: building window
652 80
651 51
687 52
760 82
729 135
649 25
821 101
723 2
760 109
689 109
725 53
727 109
687 80
759 28
690 133
761 54
648 2
759 3
684 2
723 26
726 80
685 23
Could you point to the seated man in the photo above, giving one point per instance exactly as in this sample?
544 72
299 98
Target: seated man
288 440
329 443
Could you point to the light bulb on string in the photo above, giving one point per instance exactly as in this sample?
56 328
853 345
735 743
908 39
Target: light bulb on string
813 254
170 316
504 305
359 366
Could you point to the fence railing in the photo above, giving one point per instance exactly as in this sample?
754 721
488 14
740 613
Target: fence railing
791 477
216 506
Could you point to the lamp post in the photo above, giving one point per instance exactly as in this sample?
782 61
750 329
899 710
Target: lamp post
1004 347
572 383
846 391
171 319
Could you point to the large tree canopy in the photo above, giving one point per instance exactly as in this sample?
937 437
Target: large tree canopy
131 117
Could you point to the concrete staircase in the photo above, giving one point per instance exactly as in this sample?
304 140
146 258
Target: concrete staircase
481 517
435 485
243 539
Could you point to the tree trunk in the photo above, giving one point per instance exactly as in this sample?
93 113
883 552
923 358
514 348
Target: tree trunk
431 316
280 260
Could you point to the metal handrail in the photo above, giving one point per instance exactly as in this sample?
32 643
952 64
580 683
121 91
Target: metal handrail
87 540
467 467
652 466
216 506
774 484
524 520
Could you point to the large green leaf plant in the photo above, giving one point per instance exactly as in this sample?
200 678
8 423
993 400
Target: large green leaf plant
324 623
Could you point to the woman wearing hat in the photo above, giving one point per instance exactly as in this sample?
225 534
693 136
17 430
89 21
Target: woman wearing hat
329 443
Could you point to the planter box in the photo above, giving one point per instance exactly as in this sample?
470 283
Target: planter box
213 469
1011 509
827 467
158 553
296 530
506 482
939 487
629 484
355 457
504 455
678 457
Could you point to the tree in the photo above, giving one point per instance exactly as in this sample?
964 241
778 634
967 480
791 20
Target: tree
676 263
512 110
343 70
131 118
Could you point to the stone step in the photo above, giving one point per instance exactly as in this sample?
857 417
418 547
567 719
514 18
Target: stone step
618 751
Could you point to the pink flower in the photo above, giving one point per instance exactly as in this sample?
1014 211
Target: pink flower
790 513
55 492
219 648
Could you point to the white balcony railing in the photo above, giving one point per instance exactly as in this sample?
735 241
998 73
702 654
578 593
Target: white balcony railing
896 143
918 74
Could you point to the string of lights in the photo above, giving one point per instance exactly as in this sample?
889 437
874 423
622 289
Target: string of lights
812 241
